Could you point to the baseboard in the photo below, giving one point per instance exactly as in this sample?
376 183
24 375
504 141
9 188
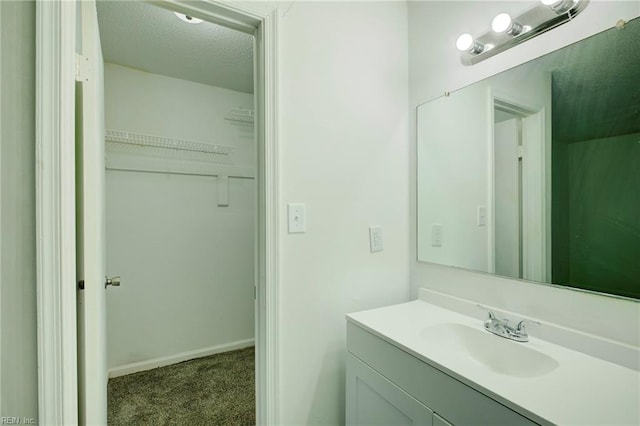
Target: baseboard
137 367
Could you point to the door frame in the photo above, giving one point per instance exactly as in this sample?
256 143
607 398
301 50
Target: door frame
55 200
536 172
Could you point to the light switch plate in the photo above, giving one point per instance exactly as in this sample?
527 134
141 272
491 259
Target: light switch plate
375 239
297 218
436 235
482 216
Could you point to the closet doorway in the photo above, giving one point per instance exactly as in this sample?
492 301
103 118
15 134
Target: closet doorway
181 216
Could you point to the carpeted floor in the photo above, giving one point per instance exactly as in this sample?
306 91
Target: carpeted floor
215 390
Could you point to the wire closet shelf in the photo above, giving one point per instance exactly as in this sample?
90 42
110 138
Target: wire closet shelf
167 147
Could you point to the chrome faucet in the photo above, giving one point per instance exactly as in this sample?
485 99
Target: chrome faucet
502 328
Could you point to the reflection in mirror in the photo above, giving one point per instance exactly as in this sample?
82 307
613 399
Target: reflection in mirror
534 173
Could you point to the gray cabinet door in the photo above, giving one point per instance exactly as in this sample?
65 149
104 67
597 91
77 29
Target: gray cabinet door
439 421
374 400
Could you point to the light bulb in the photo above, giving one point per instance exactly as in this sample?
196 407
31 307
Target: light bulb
503 23
189 19
559 6
466 43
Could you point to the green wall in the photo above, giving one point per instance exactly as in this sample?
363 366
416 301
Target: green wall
597 228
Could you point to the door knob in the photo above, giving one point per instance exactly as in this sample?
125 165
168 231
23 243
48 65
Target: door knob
115 282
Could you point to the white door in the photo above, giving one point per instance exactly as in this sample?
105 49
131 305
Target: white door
90 202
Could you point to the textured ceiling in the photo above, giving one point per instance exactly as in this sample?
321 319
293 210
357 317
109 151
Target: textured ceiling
141 36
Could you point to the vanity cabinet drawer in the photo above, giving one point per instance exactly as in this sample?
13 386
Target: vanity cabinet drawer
453 400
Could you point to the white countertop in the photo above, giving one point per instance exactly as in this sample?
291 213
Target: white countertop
582 390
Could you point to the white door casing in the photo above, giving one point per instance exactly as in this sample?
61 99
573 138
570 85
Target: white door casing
55 197
536 136
55 212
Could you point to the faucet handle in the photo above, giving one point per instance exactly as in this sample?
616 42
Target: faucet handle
492 316
521 324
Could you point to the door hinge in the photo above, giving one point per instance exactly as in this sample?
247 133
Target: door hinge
81 284
520 151
83 68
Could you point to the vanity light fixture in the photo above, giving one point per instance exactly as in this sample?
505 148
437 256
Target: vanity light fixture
187 18
508 31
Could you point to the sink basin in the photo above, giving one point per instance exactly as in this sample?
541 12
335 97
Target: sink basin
493 352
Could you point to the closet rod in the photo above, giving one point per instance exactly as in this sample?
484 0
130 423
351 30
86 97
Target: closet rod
234 175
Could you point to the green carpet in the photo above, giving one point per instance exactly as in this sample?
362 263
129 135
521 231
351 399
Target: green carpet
215 390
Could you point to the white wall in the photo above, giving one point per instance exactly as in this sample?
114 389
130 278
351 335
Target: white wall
157 105
187 264
434 69
344 153
18 351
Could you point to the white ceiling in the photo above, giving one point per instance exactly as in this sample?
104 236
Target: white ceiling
141 36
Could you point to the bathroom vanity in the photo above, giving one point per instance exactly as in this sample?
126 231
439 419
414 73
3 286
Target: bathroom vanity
419 363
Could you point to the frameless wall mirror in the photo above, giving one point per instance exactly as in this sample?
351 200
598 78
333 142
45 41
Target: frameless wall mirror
534 173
